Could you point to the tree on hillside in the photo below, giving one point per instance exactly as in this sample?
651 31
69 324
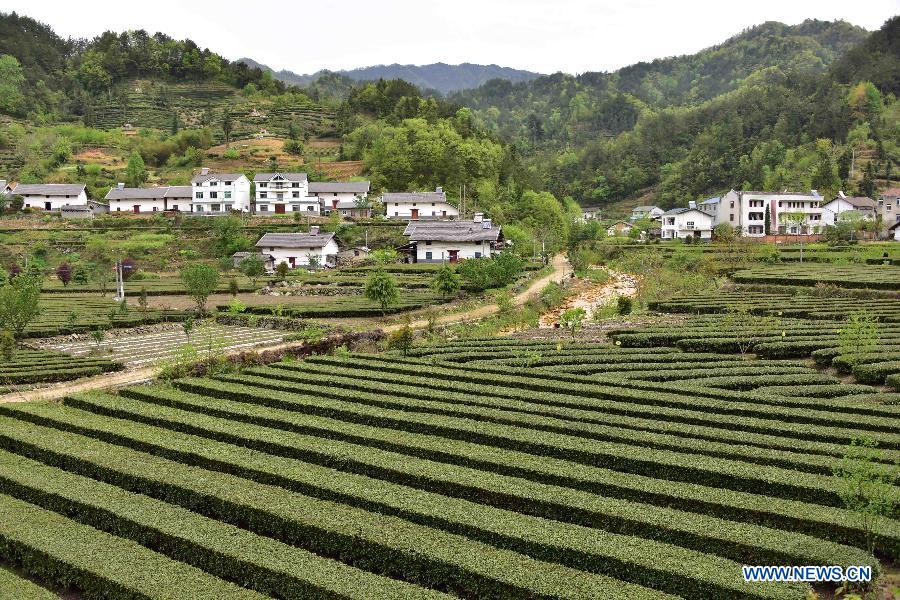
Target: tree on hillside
767 224
11 79
227 126
19 303
199 281
446 281
867 185
173 129
229 236
136 171
253 267
381 287
858 335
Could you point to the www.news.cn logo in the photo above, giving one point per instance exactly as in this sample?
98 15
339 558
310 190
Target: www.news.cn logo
807 574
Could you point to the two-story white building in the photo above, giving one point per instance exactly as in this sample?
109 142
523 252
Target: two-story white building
680 223
646 212
452 241
300 249
413 206
711 207
280 193
51 196
342 196
219 193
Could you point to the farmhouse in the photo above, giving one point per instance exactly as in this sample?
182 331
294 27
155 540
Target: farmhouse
344 196
267 259
89 211
865 207
889 206
300 249
686 222
418 205
279 193
51 196
646 212
452 241
792 213
219 193
136 200
178 198
590 213
619 228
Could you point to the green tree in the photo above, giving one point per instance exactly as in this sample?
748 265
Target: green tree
867 185
229 237
19 303
253 267
173 129
199 281
573 319
11 79
384 256
858 335
136 171
866 485
402 339
281 270
767 224
233 287
381 287
7 344
446 281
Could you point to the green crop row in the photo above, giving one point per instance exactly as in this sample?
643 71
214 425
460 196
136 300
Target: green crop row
379 542
13 586
387 454
58 550
259 563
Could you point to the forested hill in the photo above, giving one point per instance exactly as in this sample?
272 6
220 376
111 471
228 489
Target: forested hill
440 77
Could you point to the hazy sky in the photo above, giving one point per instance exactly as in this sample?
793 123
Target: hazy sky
539 35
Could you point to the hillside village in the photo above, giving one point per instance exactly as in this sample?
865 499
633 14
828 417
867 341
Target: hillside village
629 334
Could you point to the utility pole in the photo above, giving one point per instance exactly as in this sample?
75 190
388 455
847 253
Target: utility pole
852 161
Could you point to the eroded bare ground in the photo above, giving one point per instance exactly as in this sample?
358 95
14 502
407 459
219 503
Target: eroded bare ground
593 296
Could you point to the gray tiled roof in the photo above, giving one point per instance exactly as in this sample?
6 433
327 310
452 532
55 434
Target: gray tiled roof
678 211
346 187
451 231
49 189
414 197
266 177
294 240
715 200
179 191
860 201
643 208
149 193
217 176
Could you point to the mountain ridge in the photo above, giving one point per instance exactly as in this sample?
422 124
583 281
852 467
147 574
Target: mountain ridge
442 77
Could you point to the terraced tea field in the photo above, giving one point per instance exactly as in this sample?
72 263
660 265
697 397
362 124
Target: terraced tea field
144 349
30 366
63 314
883 277
484 468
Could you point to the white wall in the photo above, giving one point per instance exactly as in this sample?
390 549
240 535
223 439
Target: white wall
55 201
441 250
305 205
126 205
403 210
289 193
755 204
691 223
301 255
239 190
328 199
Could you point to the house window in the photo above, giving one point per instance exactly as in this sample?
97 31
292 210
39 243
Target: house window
212 183
310 208
227 183
263 195
295 207
227 195
279 196
428 256
228 207
396 214
263 185
295 185
118 209
690 223
199 207
478 255
263 208
428 243
731 217
155 209
215 207
295 195
198 195
214 194
175 207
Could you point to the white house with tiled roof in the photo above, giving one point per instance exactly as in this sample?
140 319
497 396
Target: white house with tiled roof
864 206
123 199
280 193
452 241
300 249
686 222
341 196
412 206
219 193
51 196
747 210
646 212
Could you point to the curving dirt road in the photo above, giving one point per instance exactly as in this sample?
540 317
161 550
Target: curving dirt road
124 378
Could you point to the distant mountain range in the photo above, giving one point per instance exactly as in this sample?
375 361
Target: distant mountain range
437 76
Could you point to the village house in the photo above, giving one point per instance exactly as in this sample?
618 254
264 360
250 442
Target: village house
300 249
452 241
889 206
619 229
353 255
51 196
346 197
123 199
866 207
590 213
680 223
268 262
646 212
219 193
279 193
747 210
413 206
711 207
89 211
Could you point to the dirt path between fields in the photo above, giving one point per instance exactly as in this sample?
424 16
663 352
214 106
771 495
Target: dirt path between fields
130 377
593 296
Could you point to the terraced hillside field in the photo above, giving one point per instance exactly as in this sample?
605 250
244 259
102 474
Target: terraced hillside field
488 468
